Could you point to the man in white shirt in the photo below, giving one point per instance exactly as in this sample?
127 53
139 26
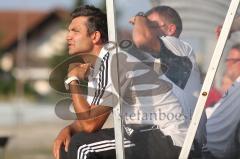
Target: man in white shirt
223 124
157 33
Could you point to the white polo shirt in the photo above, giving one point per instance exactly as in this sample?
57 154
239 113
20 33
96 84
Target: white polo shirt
182 71
146 99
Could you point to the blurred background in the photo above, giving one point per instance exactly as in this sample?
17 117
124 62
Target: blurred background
32 43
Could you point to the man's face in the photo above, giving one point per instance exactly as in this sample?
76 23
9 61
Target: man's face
159 23
78 38
233 64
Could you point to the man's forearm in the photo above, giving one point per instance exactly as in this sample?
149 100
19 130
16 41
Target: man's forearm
144 35
75 127
79 101
89 117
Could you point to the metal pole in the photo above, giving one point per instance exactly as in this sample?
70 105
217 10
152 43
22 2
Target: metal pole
20 55
209 79
118 128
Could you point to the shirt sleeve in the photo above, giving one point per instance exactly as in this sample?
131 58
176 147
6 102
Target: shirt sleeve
103 94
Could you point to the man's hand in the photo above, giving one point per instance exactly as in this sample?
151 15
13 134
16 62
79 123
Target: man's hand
79 70
63 139
235 27
132 20
218 30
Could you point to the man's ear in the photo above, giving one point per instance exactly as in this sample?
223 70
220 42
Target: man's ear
96 37
172 29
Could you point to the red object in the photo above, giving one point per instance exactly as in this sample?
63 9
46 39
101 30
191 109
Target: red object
213 97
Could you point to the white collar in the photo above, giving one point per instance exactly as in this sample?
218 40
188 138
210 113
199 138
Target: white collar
102 53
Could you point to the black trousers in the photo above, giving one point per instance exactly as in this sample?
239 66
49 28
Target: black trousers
101 145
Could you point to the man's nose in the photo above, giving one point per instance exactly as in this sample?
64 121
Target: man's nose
68 37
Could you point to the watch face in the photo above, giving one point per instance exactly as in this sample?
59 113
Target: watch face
140 14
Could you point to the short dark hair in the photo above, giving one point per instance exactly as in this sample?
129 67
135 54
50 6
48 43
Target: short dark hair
97 20
170 14
236 46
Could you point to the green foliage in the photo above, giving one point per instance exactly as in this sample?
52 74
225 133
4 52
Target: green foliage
29 90
7 83
8 86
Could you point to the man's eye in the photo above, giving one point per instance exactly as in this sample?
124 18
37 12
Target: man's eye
74 30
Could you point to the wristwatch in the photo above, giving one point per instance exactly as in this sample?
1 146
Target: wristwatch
141 14
69 80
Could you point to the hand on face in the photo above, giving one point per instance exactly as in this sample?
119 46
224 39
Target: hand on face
153 25
79 70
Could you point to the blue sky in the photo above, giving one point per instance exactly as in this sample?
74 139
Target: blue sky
129 8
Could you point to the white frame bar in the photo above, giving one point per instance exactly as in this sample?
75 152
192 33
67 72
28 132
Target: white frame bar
209 79
118 126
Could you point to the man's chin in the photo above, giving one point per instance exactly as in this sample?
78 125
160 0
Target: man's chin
74 53
71 53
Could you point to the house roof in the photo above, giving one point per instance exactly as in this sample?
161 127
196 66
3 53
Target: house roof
12 23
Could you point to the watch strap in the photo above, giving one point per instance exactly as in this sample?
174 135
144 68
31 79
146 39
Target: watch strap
69 80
